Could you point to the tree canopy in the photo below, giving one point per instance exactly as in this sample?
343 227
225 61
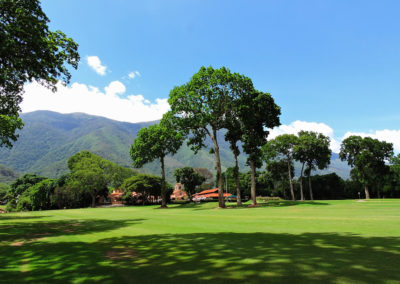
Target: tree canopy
189 178
312 150
29 51
367 157
156 142
203 105
282 147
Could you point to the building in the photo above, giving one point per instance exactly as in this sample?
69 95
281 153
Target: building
209 194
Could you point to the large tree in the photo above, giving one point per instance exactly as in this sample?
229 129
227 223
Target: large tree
233 136
29 51
90 173
257 113
190 179
282 147
312 150
156 142
203 104
367 157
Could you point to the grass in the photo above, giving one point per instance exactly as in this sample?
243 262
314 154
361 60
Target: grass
279 241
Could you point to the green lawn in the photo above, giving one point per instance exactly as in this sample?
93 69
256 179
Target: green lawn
304 242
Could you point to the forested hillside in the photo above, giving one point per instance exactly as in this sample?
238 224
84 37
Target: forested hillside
48 139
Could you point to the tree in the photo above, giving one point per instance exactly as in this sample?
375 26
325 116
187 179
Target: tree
9 124
156 142
312 150
146 186
367 158
233 136
189 178
90 173
29 51
278 171
257 113
202 107
282 147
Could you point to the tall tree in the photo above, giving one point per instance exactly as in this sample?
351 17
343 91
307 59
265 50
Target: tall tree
257 113
312 150
190 179
367 158
29 51
156 142
282 147
202 105
233 136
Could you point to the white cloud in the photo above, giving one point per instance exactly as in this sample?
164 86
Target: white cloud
89 99
391 136
296 126
95 63
133 74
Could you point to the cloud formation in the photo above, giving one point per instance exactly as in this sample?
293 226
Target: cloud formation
296 126
88 99
95 63
133 74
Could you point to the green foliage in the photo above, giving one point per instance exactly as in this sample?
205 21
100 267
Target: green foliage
312 149
29 51
155 142
4 188
190 179
90 173
145 185
9 124
367 156
40 194
203 107
19 186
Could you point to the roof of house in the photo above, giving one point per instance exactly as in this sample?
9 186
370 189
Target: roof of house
207 191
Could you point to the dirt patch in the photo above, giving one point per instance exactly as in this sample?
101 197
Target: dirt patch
120 254
17 244
2 211
69 231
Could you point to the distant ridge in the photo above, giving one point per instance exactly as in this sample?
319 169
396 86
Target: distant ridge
49 138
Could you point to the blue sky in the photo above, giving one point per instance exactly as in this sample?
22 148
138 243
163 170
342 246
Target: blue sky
335 63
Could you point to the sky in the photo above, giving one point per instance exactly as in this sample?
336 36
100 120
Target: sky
332 66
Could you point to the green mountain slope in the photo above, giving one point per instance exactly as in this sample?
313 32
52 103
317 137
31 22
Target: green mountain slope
49 139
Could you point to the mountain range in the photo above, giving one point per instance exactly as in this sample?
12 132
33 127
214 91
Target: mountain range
48 139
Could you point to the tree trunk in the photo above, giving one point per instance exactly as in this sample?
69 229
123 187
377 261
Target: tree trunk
366 192
290 180
236 173
309 186
283 189
301 183
163 191
221 200
93 200
253 183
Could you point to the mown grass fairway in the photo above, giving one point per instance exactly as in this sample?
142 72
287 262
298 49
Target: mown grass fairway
322 242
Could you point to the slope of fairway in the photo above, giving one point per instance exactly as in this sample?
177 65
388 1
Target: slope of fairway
280 241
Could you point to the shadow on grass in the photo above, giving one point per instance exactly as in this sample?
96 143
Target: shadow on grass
277 203
205 257
8 217
232 205
30 232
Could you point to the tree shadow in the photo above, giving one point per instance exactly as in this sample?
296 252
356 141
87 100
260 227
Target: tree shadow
278 203
207 257
22 232
8 217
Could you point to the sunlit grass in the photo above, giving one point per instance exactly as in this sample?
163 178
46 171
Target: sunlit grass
279 241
